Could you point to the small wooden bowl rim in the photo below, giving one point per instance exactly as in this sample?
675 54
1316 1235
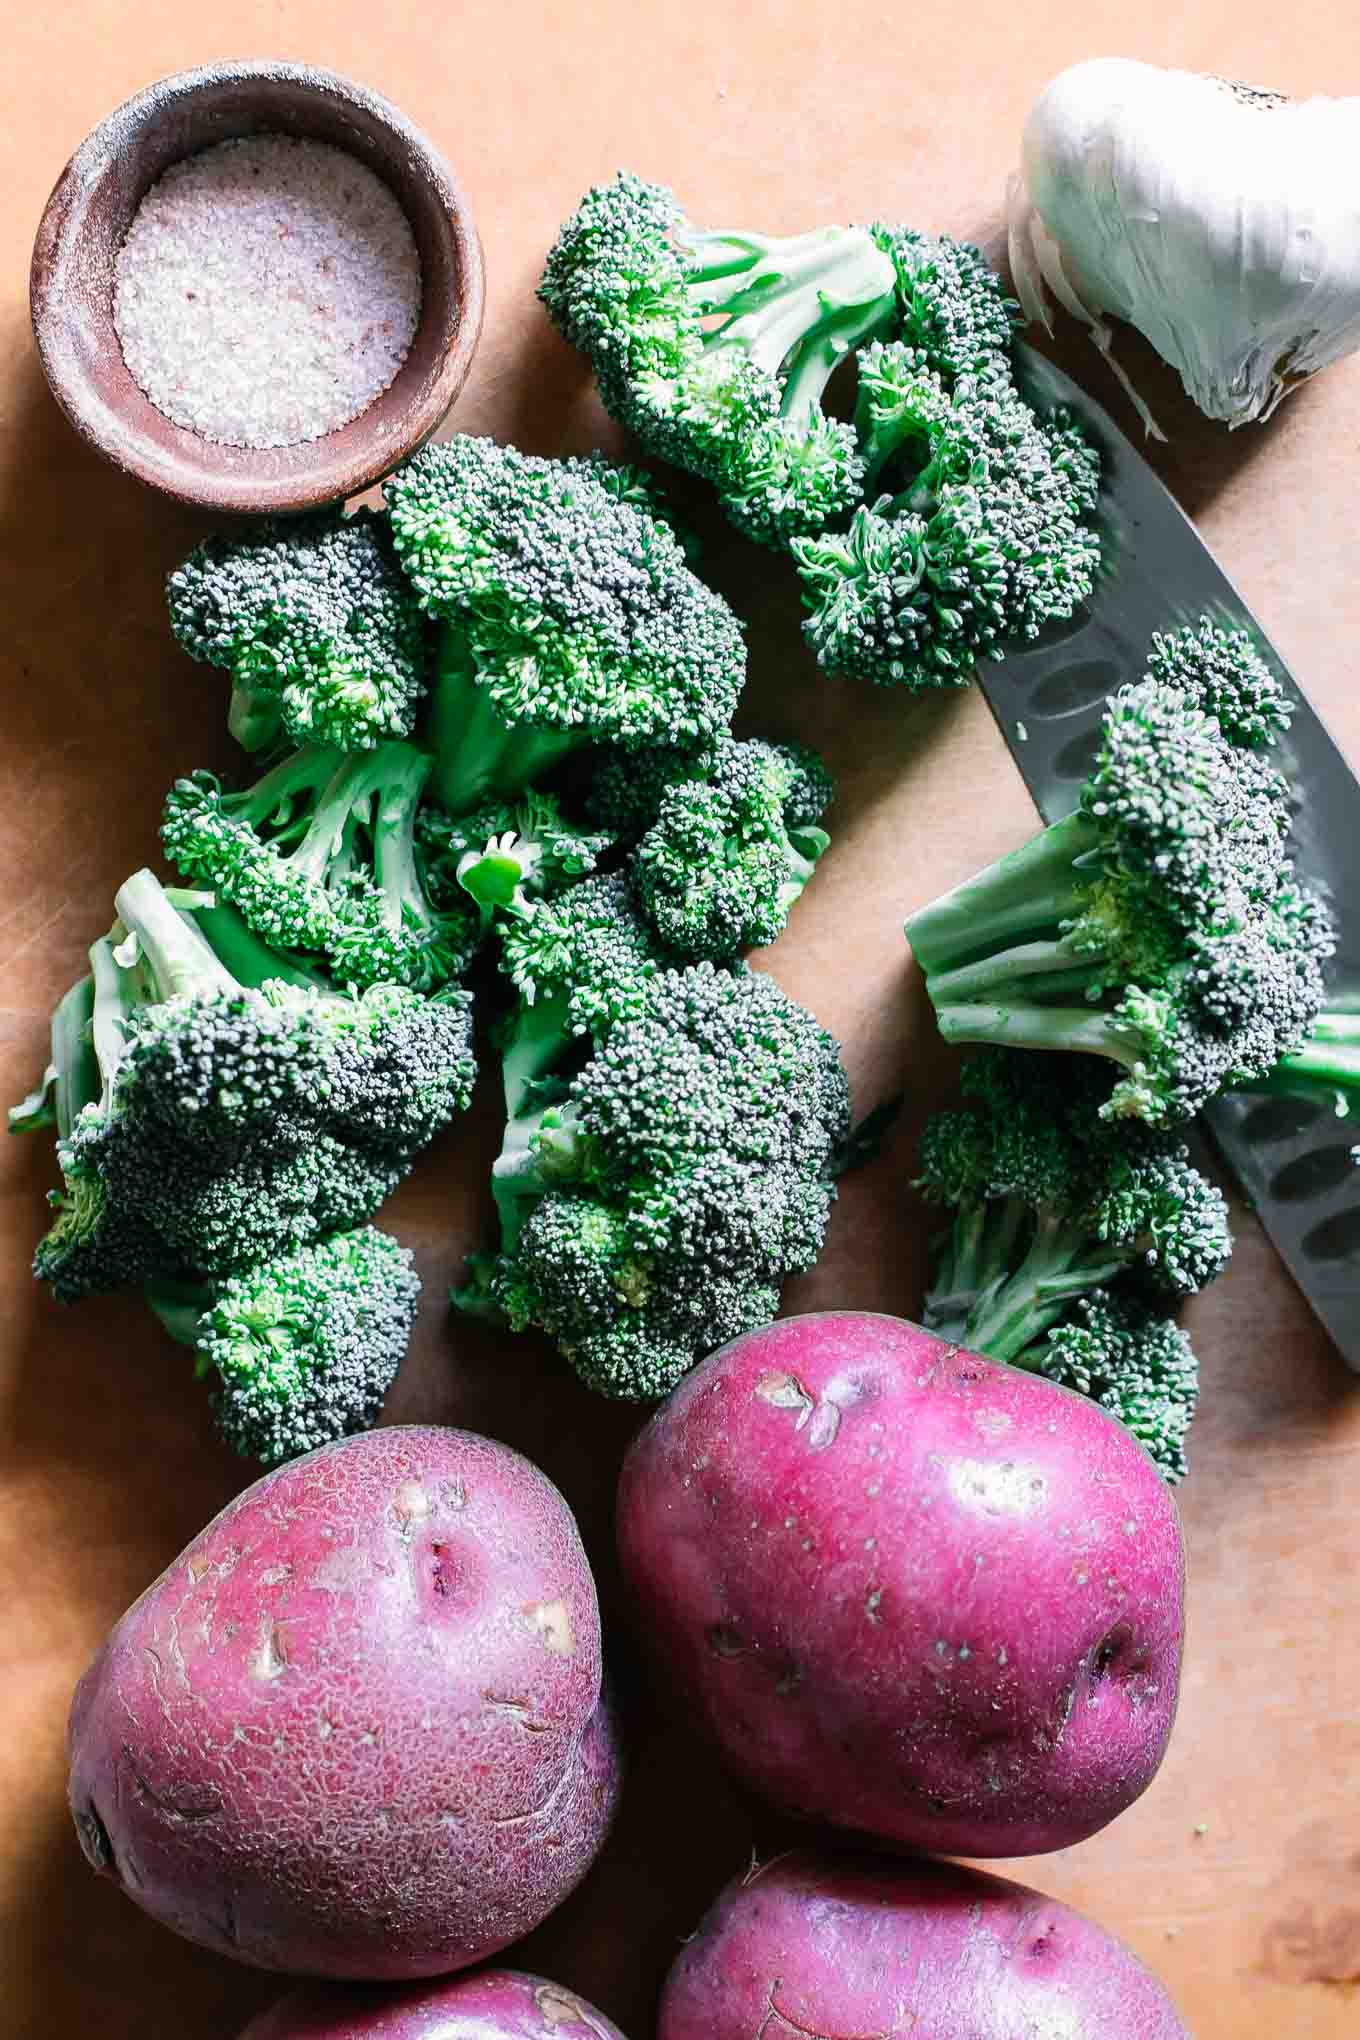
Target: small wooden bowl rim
82 228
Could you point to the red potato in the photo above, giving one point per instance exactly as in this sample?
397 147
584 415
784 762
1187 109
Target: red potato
906 1590
814 1946
357 1728
495 2004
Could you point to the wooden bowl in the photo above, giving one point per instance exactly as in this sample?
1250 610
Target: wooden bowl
89 212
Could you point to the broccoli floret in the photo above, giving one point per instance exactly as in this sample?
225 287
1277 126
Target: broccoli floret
980 538
570 618
504 856
716 349
1159 927
1135 1362
1052 1203
951 304
304 1347
224 1106
322 637
728 854
321 856
652 1207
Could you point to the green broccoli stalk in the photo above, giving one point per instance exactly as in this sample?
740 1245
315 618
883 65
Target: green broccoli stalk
653 1206
981 539
322 638
1326 1065
730 852
506 856
570 618
221 1105
1051 1204
1160 927
1133 1361
304 1347
321 856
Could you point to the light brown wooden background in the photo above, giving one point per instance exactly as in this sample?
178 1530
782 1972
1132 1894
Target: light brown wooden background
776 114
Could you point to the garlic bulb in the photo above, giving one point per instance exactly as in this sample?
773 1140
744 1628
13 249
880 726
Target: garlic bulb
1222 222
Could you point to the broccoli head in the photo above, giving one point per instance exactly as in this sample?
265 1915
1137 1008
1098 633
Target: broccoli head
730 852
1051 1203
303 1347
322 637
570 618
653 1205
1138 1364
980 536
321 856
1160 927
221 1106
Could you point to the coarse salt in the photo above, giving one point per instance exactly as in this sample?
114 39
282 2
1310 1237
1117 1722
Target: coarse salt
267 291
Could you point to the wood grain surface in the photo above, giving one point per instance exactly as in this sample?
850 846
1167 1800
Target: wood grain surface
1238 1875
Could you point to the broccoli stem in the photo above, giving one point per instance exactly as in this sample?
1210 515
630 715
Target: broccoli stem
176 953
1026 894
979 1244
71 1079
254 719
1012 1312
251 962
1328 1062
477 753
1032 967
539 1153
269 803
400 771
796 305
180 1307
534 1046
1078 1030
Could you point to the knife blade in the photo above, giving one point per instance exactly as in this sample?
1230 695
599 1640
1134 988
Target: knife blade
1293 1157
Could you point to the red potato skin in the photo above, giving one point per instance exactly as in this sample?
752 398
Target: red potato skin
495 2004
807 1949
357 1728
905 1590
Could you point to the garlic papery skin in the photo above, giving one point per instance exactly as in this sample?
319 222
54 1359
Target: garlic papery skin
1222 222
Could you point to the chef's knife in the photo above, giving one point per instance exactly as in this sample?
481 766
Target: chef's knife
1293 1158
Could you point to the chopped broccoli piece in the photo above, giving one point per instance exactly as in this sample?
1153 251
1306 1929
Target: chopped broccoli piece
1136 1363
1159 927
570 618
729 853
506 855
1052 1203
982 538
321 856
305 1346
716 349
222 1106
652 1207
322 637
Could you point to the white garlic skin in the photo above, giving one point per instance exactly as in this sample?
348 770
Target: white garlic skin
1224 225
